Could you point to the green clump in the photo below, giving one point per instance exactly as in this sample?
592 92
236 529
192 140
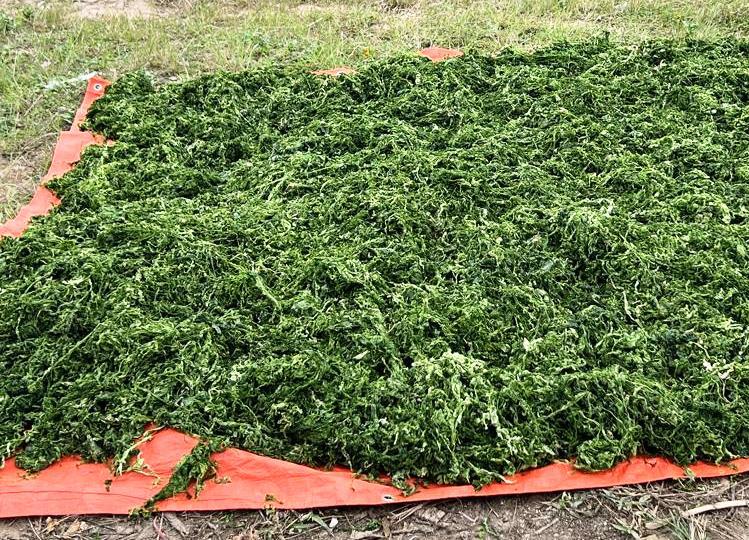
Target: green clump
195 469
450 271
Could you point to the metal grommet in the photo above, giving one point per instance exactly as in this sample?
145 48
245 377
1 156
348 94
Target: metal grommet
97 86
388 498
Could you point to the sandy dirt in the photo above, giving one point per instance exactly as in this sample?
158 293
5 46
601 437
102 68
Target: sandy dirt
91 9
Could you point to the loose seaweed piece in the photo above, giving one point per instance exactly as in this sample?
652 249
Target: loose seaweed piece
194 469
448 271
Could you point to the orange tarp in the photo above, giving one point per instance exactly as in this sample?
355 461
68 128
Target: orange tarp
249 481
67 152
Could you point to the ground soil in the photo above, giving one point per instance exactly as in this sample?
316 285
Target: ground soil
105 8
530 517
19 176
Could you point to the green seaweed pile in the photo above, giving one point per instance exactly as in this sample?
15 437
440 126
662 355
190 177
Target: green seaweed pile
451 271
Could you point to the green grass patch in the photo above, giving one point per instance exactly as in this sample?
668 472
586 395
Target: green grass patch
449 271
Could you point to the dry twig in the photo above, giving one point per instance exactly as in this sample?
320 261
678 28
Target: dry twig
715 506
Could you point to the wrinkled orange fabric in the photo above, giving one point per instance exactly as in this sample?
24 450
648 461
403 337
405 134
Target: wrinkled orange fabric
67 152
249 481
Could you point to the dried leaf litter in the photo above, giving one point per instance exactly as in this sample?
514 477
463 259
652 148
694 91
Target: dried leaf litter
450 271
